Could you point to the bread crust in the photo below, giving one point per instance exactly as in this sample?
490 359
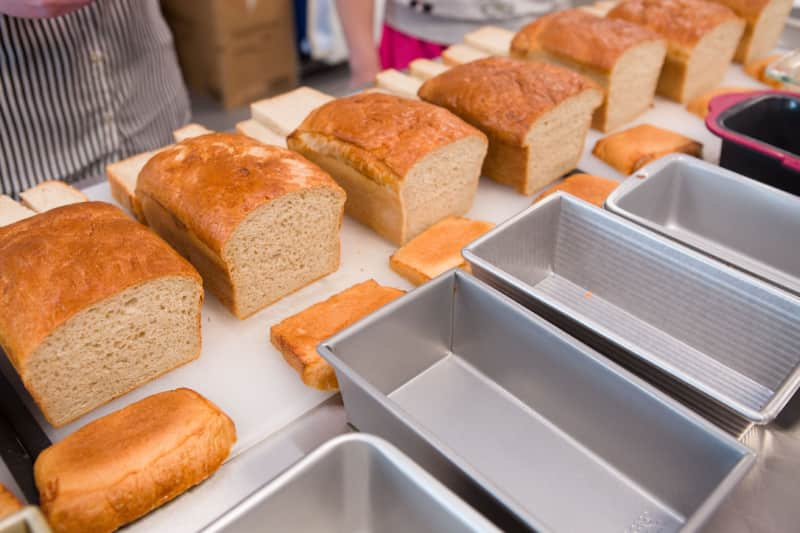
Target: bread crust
124 465
503 97
592 189
60 262
631 149
382 136
297 336
9 504
749 9
575 35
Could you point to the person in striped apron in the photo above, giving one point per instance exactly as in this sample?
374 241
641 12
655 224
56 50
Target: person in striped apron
82 84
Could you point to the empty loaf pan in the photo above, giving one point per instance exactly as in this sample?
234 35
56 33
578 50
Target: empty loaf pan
745 224
473 386
723 334
27 520
353 483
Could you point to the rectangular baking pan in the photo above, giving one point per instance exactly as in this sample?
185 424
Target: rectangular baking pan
27 520
484 393
353 483
729 340
739 221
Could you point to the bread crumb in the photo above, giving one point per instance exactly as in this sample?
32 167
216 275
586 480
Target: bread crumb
587 295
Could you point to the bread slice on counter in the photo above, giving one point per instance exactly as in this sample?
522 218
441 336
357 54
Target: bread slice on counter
592 189
625 59
405 164
398 83
9 504
12 211
297 337
699 106
765 21
283 113
257 221
631 149
425 68
122 178
51 194
122 466
190 130
490 39
459 54
255 130
536 115
437 249
701 36
93 305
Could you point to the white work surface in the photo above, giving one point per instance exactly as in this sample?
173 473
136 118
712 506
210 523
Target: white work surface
241 372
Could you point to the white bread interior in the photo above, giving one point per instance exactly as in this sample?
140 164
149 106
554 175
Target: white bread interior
255 130
425 68
190 130
283 113
490 39
12 211
462 53
112 347
398 83
122 177
761 36
51 194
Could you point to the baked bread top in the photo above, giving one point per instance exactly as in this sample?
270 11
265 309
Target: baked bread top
574 34
211 183
504 96
682 22
63 261
381 135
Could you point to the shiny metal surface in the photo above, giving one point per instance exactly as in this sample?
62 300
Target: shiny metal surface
740 221
486 395
731 341
353 483
27 520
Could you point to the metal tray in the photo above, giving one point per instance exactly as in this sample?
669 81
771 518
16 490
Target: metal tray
353 483
745 224
476 388
731 339
27 520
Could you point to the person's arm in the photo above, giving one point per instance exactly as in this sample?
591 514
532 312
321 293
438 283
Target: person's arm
40 8
357 17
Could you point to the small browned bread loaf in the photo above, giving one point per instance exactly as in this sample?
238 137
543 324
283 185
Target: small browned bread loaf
536 115
623 58
437 249
123 465
592 189
9 504
765 21
258 221
93 305
631 149
404 164
699 106
297 337
701 37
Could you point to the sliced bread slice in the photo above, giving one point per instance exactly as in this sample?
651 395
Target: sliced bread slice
425 68
255 130
283 113
122 177
190 130
398 83
51 194
12 211
699 106
458 54
490 39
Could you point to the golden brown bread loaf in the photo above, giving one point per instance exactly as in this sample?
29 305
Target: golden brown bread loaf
536 115
92 305
9 504
631 149
297 337
437 249
765 21
623 58
125 464
404 164
257 221
701 37
592 189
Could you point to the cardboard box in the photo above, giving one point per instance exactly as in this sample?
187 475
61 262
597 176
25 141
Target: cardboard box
238 50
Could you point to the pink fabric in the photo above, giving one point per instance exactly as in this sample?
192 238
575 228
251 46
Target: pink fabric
398 49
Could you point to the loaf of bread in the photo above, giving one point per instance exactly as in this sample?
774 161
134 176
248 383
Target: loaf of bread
92 305
297 337
405 164
256 130
51 194
623 58
592 189
258 221
12 211
437 249
765 21
9 504
701 36
123 465
630 150
536 115
122 178
699 106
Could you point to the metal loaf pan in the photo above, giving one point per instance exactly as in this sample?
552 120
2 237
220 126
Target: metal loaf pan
353 483
484 393
27 520
737 220
725 339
